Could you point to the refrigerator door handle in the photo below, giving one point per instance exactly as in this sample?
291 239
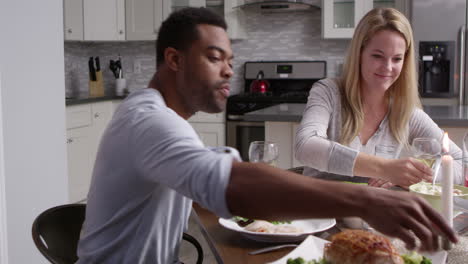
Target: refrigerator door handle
461 73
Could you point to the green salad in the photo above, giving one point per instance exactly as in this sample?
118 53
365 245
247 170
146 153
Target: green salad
302 261
415 258
411 258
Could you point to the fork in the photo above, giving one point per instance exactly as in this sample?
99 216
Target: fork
272 248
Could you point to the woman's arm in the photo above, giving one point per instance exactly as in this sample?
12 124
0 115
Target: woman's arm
316 137
402 172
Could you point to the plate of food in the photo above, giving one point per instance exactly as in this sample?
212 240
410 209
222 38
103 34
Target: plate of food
356 247
433 194
276 231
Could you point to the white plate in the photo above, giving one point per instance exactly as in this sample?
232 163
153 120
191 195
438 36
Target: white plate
312 249
309 226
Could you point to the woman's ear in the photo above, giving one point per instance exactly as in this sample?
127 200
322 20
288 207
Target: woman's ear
173 58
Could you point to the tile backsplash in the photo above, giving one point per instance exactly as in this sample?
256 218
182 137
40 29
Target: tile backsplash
270 36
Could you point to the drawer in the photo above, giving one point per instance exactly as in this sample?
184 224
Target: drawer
78 116
102 111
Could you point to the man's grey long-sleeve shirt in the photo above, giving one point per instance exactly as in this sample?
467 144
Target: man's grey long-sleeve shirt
150 165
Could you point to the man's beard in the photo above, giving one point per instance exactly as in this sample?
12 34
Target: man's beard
208 102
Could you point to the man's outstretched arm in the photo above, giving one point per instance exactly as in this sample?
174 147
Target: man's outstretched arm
259 191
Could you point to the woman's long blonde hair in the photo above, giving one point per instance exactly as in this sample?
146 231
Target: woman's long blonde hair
403 92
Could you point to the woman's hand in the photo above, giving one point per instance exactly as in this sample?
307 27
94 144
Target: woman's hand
380 183
405 172
402 172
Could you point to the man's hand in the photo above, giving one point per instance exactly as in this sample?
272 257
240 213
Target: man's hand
405 172
400 214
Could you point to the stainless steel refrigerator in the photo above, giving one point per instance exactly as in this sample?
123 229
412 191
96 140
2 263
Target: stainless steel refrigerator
440 34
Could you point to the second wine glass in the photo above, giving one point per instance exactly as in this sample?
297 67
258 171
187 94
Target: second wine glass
263 151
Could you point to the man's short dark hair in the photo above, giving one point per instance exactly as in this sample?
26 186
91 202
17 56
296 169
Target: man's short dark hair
179 30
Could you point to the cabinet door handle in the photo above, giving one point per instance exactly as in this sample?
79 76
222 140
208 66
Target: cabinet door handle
69 140
96 115
69 30
121 32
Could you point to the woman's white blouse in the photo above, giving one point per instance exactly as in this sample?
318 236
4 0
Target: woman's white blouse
318 135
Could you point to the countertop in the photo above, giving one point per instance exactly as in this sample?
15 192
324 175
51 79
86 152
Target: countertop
443 115
86 100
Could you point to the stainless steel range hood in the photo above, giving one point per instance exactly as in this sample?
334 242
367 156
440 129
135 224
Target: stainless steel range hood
279 5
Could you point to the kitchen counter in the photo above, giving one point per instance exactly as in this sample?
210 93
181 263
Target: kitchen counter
446 115
85 100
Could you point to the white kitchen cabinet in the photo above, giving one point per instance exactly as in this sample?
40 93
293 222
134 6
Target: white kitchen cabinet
80 143
284 134
210 128
340 17
101 115
211 134
73 19
143 19
104 20
115 104
85 125
79 146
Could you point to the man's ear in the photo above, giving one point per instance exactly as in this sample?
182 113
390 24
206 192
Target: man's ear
173 58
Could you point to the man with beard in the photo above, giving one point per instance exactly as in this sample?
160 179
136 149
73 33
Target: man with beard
151 164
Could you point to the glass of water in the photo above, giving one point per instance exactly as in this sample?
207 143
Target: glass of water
263 151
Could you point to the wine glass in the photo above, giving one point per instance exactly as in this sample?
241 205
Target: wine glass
263 151
428 151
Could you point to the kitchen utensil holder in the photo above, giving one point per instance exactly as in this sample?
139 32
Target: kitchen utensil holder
96 88
120 86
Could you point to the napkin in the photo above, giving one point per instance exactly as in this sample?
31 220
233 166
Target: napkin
311 248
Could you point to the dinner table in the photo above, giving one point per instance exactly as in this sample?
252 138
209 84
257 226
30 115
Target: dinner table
229 246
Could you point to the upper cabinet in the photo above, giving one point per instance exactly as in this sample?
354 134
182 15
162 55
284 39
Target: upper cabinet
143 18
104 20
73 19
116 20
340 17
90 20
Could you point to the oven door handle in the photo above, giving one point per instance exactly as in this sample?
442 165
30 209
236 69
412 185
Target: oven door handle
235 117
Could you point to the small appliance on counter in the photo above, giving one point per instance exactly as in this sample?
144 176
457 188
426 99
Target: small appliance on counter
436 68
267 83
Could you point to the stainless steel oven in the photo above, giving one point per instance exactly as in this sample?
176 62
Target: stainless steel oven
239 134
289 82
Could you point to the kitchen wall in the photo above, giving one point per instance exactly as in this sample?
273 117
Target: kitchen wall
270 36
33 166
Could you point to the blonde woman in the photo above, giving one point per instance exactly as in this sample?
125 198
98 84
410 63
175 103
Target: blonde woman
354 128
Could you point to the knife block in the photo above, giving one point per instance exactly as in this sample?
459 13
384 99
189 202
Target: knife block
96 88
